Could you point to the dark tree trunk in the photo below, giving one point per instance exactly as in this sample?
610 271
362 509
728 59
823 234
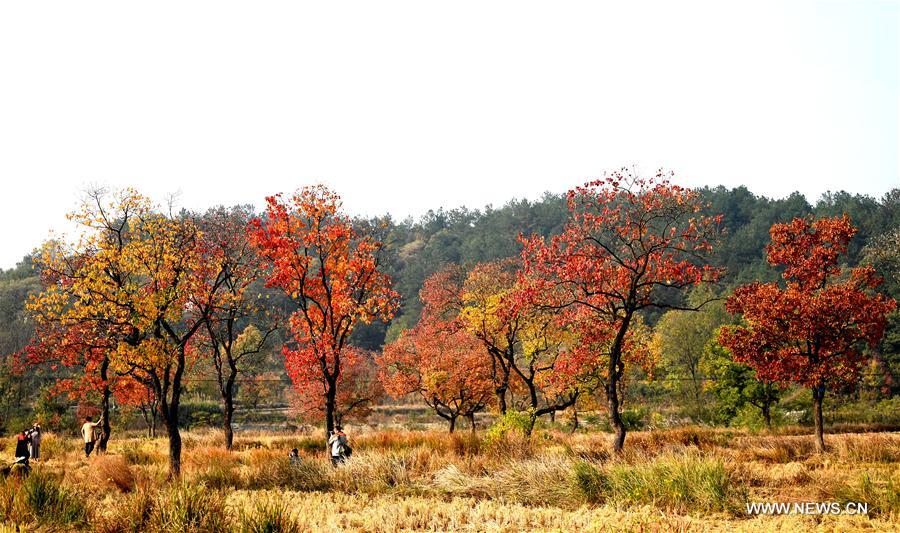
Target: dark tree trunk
767 414
174 450
228 400
471 417
818 396
553 416
104 436
501 399
452 423
615 418
229 430
574 420
330 395
612 385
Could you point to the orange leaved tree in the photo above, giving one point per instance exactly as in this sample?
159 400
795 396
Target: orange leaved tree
442 363
629 244
331 271
812 331
130 277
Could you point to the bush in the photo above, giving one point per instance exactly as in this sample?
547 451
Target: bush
269 470
675 483
112 471
267 517
188 508
590 481
42 499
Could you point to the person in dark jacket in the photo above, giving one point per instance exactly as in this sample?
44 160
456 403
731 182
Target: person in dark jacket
22 441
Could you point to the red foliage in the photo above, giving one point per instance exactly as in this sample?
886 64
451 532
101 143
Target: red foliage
358 387
628 241
331 270
811 332
443 364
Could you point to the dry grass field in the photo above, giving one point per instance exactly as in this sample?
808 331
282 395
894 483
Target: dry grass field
682 479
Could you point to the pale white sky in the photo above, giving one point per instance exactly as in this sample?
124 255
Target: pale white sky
406 106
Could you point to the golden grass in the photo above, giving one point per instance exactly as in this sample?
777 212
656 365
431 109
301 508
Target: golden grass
688 478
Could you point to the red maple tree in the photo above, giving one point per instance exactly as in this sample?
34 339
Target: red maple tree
331 271
442 363
812 331
629 244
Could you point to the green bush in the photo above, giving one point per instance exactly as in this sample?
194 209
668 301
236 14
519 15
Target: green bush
189 508
590 480
678 483
40 498
267 517
511 422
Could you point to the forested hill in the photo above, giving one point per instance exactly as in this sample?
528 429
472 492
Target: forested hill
420 247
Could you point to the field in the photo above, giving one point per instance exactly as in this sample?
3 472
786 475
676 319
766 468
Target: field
678 479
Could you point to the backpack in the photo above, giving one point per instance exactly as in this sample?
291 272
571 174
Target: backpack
346 450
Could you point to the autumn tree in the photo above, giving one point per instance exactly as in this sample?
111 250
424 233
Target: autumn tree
131 275
522 340
810 332
630 244
332 272
443 364
358 388
236 327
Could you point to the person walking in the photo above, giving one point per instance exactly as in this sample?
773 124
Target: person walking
89 434
36 443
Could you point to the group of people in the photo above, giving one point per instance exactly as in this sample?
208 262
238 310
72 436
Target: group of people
338 446
28 445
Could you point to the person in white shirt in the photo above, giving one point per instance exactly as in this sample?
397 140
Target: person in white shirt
337 442
89 434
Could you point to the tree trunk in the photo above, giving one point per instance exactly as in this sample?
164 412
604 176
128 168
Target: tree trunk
501 399
452 423
552 416
104 376
174 449
615 418
574 420
818 395
330 394
767 415
615 369
228 400
229 430
471 417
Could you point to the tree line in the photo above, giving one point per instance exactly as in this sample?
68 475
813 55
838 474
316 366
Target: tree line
532 309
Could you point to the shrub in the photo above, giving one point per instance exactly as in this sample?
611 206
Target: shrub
590 480
200 414
267 516
675 483
269 470
47 501
112 471
182 507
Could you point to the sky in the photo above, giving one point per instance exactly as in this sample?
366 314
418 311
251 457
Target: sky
408 106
